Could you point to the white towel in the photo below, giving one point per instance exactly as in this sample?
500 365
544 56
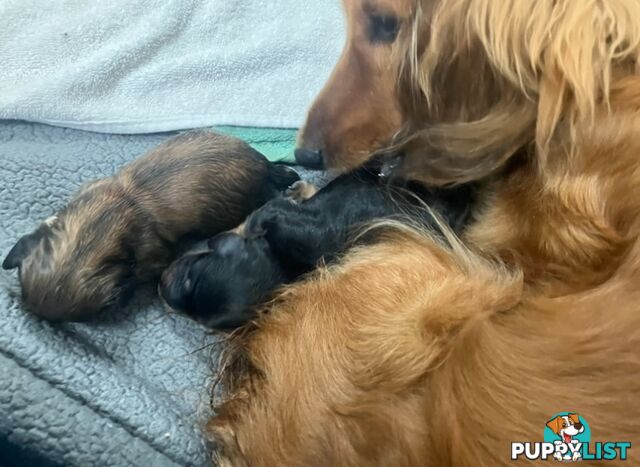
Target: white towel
140 66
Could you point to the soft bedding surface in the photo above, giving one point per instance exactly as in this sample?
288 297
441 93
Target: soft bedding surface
140 66
128 389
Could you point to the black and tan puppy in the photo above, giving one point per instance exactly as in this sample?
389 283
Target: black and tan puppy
122 231
285 238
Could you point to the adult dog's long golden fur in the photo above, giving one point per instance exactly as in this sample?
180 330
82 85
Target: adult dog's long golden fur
411 352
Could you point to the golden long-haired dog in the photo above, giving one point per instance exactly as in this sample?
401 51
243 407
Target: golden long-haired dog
414 352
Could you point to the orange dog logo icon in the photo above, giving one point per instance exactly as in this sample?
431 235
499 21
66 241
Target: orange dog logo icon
566 427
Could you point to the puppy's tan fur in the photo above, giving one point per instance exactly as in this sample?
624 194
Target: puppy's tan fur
411 352
122 230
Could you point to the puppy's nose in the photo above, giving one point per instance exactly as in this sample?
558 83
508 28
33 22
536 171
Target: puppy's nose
309 158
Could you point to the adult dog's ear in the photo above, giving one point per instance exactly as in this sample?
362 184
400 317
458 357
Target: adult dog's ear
24 246
555 425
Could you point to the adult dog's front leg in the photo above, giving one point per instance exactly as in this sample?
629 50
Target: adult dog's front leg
332 376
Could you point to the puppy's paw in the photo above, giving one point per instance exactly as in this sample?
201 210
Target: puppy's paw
271 225
301 191
268 217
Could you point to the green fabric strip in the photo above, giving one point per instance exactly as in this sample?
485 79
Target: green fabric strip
277 144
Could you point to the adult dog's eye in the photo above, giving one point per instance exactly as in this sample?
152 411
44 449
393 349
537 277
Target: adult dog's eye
383 29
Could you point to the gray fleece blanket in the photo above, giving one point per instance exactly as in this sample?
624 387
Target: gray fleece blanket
131 388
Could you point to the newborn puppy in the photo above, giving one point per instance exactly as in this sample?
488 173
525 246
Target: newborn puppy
122 231
222 286
322 227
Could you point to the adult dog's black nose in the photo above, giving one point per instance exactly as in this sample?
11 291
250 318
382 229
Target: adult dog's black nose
309 158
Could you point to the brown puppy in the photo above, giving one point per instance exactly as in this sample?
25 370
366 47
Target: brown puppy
411 352
121 231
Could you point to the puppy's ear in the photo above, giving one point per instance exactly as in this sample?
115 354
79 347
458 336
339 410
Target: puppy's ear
574 417
227 244
23 248
555 425
282 176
